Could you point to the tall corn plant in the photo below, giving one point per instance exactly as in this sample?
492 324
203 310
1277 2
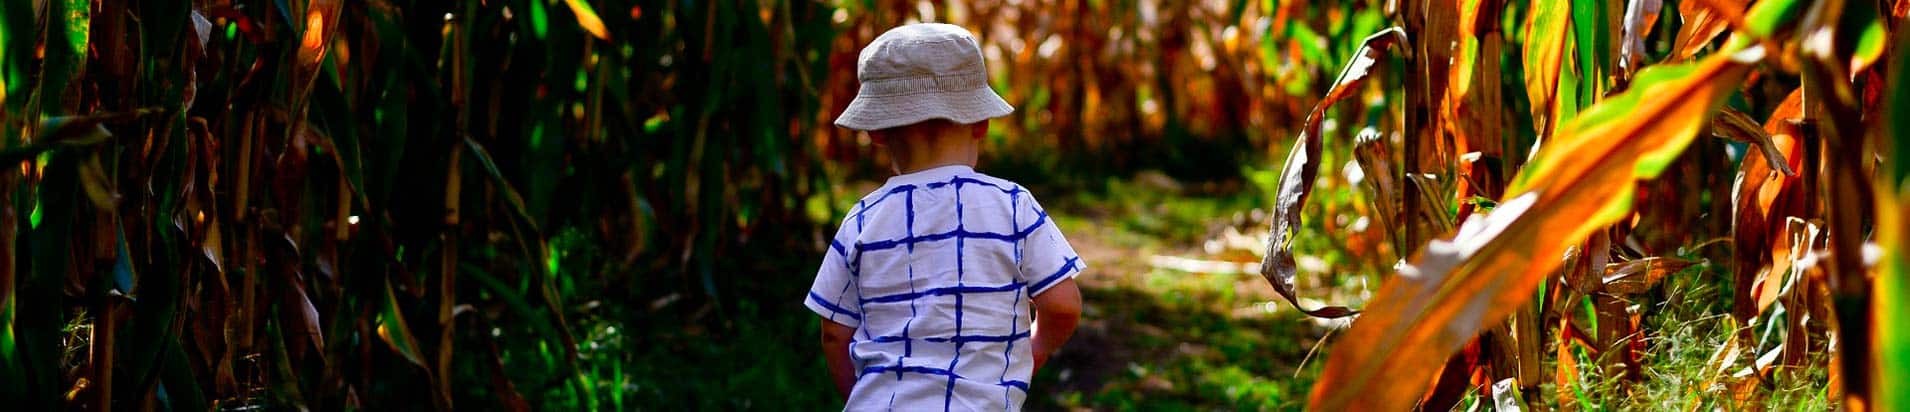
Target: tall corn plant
1559 224
396 204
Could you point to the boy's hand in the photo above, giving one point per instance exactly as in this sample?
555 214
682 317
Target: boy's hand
835 351
1057 310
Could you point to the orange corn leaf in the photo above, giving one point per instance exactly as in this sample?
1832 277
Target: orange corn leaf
587 18
1545 51
321 21
1581 182
1703 21
1764 197
1567 374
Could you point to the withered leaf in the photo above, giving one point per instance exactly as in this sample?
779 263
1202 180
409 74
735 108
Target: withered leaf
1638 276
1303 166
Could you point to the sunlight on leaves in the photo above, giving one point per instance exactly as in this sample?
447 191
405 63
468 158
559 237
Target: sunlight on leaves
1574 185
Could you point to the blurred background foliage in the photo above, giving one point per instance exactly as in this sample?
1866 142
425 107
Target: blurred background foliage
615 204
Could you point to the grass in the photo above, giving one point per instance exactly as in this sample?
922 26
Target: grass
759 355
1687 321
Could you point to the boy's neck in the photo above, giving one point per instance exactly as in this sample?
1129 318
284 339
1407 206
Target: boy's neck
954 146
903 170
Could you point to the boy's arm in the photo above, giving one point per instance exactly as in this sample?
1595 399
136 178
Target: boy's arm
835 350
1057 310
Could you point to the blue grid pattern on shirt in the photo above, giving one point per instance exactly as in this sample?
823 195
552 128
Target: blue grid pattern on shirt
961 235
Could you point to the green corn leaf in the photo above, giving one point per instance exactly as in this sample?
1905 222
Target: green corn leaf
1872 36
77 15
67 29
394 331
503 184
540 20
1892 341
1769 17
1588 24
38 318
181 387
16 48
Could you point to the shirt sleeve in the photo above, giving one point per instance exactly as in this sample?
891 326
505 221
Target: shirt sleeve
833 296
1043 253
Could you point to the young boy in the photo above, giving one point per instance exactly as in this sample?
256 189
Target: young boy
945 289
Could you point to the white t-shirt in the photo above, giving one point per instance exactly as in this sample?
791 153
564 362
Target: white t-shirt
935 271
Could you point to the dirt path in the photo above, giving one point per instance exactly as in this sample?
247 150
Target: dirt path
1154 338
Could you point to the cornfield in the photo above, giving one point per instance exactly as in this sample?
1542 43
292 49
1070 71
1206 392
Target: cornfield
334 204
1540 247
503 204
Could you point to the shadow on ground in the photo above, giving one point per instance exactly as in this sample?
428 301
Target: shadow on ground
1140 350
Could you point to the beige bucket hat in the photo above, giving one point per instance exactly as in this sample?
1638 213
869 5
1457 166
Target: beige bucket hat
919 72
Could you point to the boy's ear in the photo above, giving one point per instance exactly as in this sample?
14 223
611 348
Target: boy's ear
979 130
879 137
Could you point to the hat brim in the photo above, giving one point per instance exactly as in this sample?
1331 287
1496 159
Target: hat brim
882 112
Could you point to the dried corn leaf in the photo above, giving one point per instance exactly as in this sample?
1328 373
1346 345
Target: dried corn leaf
1703 21
1638 276
1302 167
1640 17
1735 125
1763 199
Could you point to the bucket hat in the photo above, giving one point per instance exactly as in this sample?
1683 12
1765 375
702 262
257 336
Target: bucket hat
919 72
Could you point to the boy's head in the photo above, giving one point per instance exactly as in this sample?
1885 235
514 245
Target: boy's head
914 75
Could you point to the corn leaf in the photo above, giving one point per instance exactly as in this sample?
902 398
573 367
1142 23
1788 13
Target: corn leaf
1640 17
394 331
1473 106
68 24
1303 165
1735 125
1870 43
181 389
1892 358
503 183
587 19
17 39
1593 43
1766 19
1637 276
1703 21
540 21
37 317
1762 198
1546 49
1581 182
